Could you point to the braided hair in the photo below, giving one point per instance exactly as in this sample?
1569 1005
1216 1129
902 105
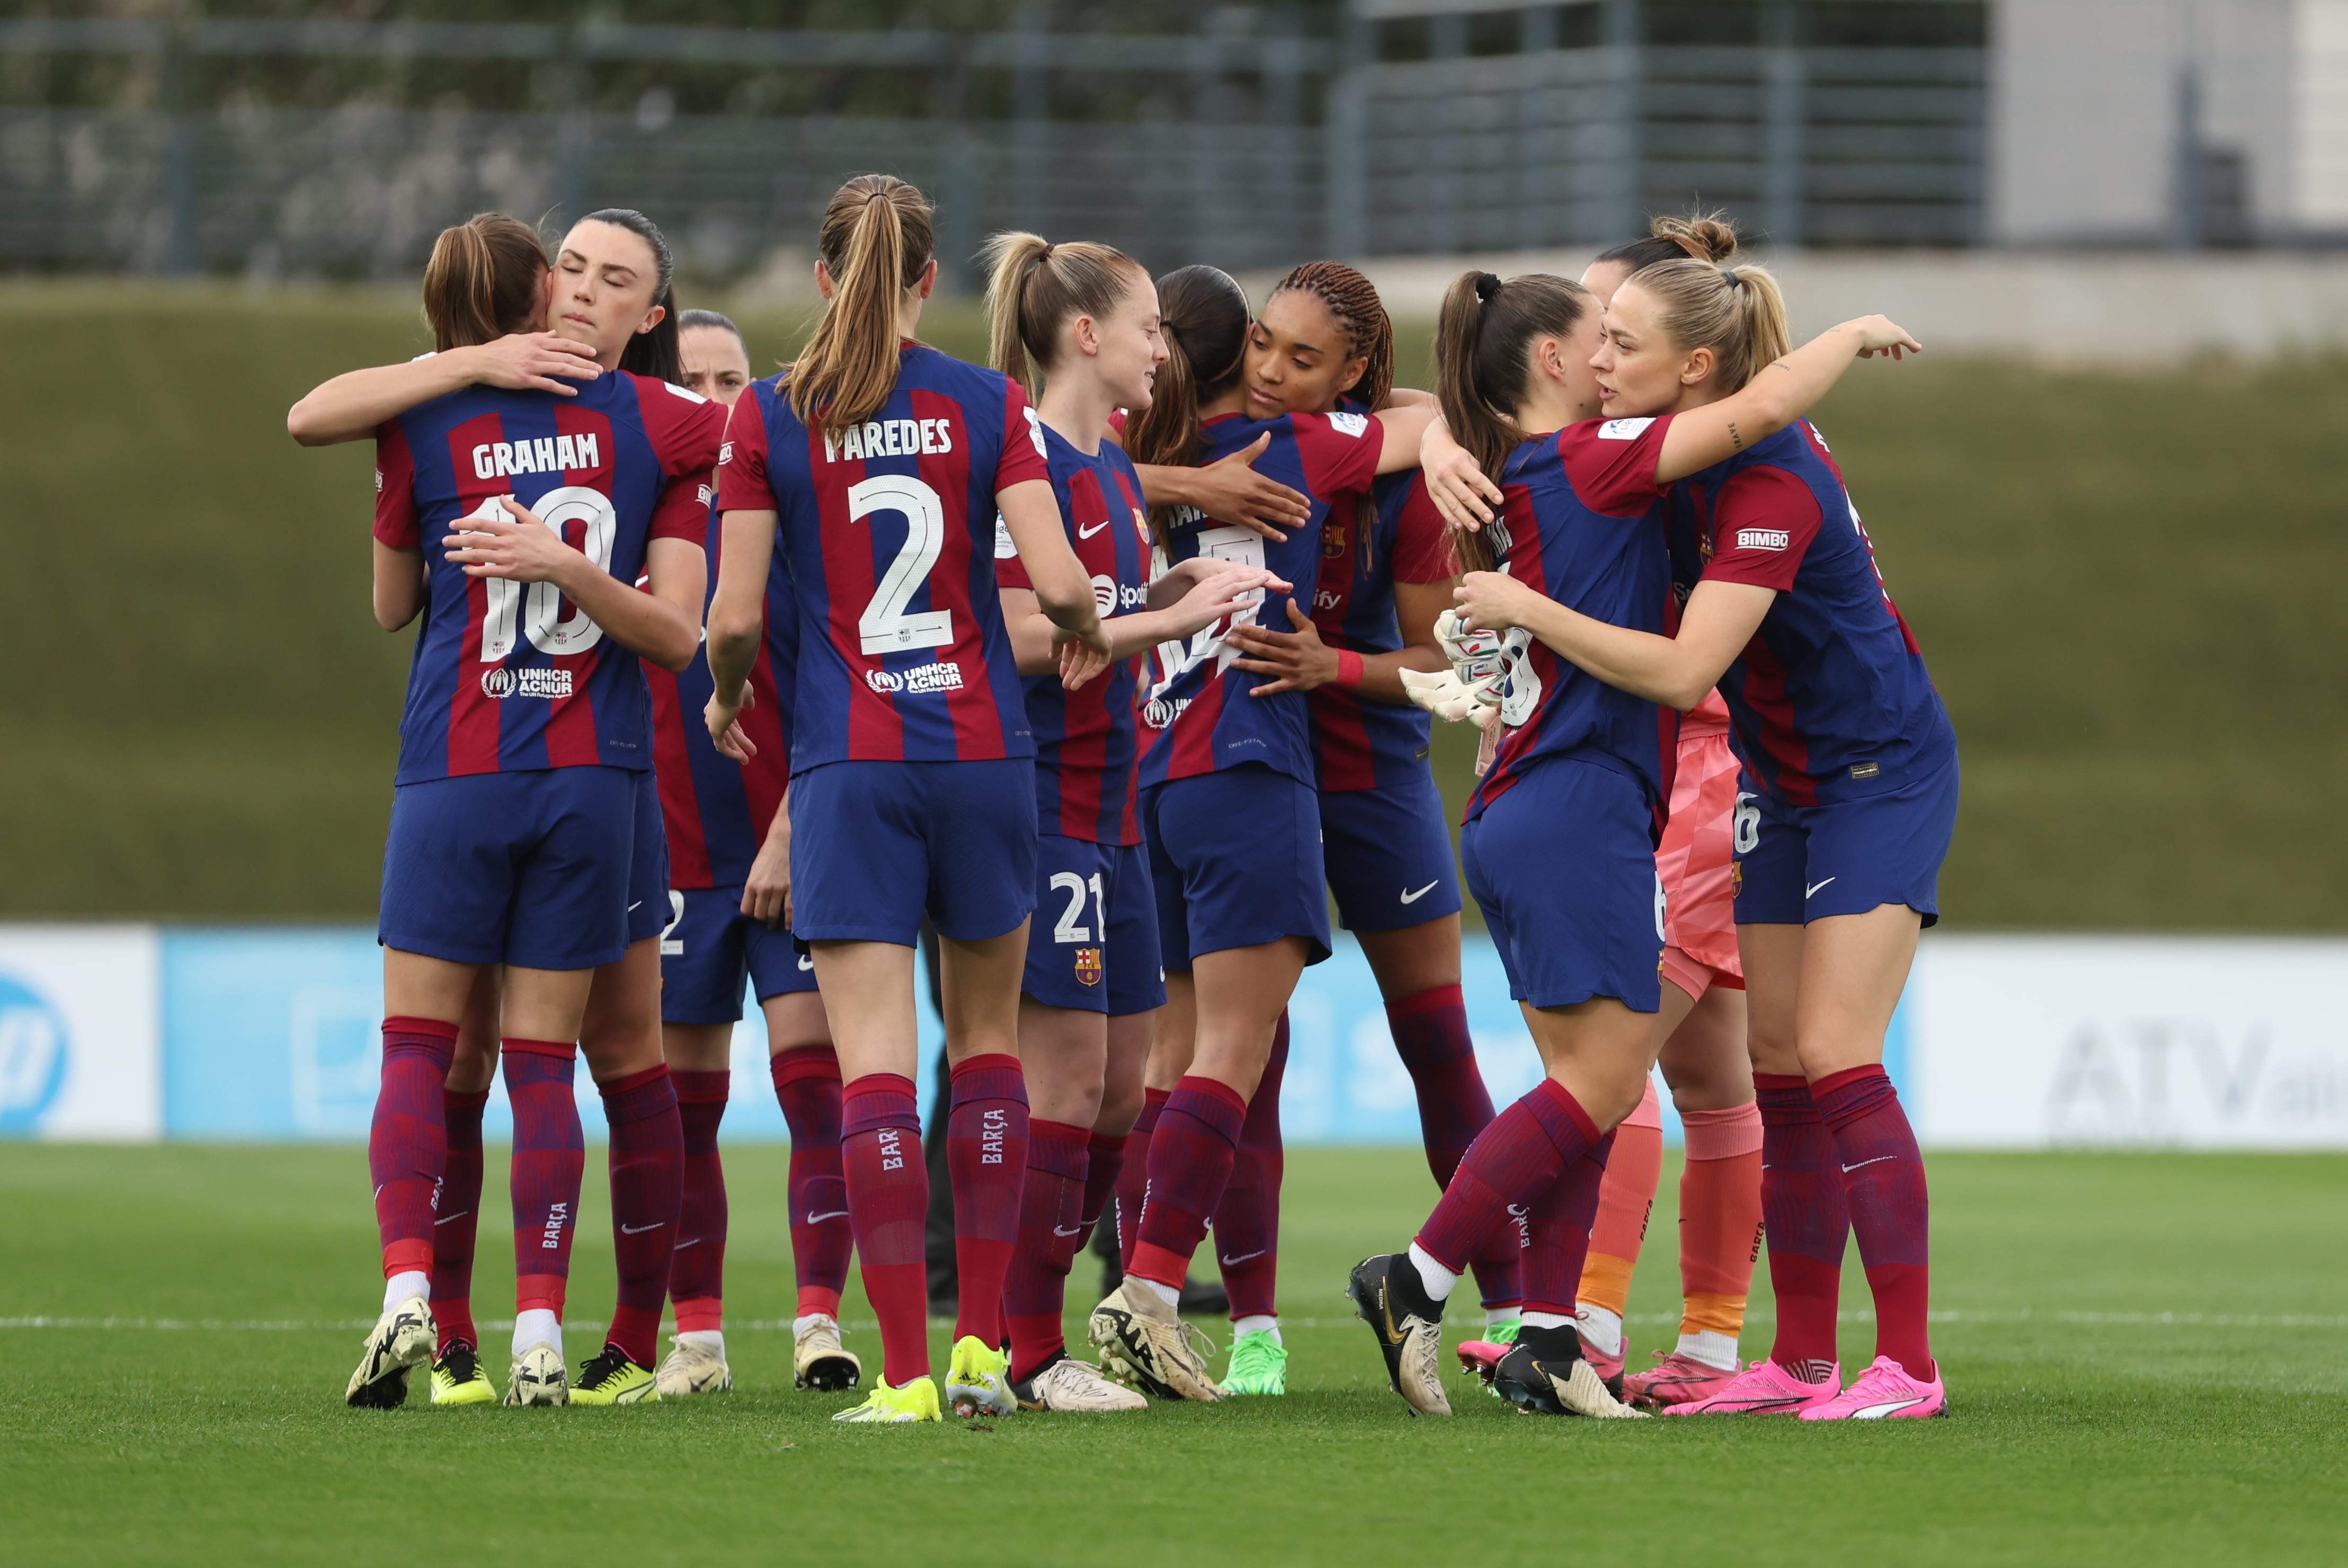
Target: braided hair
1360 316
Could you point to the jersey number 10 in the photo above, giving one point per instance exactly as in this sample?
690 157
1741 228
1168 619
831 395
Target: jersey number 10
539 607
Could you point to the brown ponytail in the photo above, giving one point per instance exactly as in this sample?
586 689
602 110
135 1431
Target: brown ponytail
1483 343
1361 316
875 242
1033 288
482 281
1737 312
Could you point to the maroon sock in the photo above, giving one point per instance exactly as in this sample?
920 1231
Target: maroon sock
457 1219
1528 1147
648 1163
1190 1156
696 1272
407 1142
1051 1210
1103 1163
1890 1209
888 1203
550 1160
807 1086
986 1160
1803 1215
1133 1180
1247 1221
1430 1036
1557 1234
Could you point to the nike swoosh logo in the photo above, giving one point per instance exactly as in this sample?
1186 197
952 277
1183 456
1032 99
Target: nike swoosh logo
457 1215
1864 1163
1067 1230
819 1219
1083 532
1889 1407
631 908
806 964
1813 892
1244 1257
639 1230
1415 897
695 1243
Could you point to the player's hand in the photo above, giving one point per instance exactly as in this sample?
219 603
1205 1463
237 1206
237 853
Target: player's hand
1493 601
1217 591
1229 490
1458 487
1080 662
767 891
518 546
539 361
1881 335
724 720
1296 661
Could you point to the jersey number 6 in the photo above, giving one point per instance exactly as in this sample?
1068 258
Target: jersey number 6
886 626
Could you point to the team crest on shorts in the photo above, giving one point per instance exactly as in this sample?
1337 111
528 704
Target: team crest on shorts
1088 966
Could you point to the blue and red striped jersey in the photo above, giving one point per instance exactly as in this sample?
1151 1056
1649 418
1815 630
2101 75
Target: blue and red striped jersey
1582 514
1198 715
718 811
1084 739
1830 699
887 530
1358 742
507 675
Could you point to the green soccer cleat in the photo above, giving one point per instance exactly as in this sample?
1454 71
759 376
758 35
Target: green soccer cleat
978 1379
612 1379
1259 1364
457 1377
916 1401
1504 1332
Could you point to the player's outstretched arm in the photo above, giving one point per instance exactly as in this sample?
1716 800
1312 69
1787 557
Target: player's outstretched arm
352 404
737 618
1718 621
1207 596
1062 591
1229 490
1782 392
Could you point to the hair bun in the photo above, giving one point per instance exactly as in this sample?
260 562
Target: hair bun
1705 236
1487 285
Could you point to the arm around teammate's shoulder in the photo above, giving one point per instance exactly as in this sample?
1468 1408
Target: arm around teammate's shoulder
1782 392
1719 620
352 404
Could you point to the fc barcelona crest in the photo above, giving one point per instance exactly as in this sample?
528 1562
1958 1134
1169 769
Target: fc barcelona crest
1088 966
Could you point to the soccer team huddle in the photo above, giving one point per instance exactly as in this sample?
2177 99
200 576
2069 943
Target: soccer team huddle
1113 663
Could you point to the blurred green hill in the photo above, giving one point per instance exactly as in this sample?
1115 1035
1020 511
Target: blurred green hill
2126 584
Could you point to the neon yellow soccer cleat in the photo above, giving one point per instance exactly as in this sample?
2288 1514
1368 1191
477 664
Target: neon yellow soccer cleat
612 1379
457 1377
978 1379
916 1401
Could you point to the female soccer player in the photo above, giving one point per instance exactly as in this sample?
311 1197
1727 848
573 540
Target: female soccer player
729 857
516 805
1558 845
1386 573
1087 315
879 465
1228 806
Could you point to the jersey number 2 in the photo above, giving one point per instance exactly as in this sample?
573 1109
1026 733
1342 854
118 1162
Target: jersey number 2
886 626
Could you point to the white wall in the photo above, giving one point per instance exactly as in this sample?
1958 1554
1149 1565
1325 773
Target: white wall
2320 67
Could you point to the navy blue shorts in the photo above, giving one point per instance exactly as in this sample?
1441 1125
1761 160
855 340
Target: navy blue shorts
876 844
1235 861
1389 856
1098 952
711 946
1563 865
529 868
1799 863
649 907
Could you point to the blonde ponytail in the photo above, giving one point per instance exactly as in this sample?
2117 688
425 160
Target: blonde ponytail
875 242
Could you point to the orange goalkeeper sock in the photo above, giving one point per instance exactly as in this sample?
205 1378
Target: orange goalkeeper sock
1720 1229
1624 1201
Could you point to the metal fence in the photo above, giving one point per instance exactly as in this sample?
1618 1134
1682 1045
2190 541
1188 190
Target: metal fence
1247 167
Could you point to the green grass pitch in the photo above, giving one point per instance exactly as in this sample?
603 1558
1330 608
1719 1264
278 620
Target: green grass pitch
2143 1354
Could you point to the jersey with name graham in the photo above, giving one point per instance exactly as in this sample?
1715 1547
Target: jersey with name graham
886 530
1198 715
1830 701
1358 742
1583 514
511 676
1085 738
716 810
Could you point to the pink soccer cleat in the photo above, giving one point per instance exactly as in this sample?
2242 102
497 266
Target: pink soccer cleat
1674 1379
1764 1388
1883 1390
1480 1356
1608 1367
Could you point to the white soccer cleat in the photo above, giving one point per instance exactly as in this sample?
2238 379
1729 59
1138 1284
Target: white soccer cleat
1078 1386
403 1337
1140 1337
692 1369
539 1376
818 1359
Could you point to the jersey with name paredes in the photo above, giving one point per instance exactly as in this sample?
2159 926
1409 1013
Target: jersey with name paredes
1084 739
887 530
1582 515
716 810
1198 715
1360 743
1830 701
510 676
